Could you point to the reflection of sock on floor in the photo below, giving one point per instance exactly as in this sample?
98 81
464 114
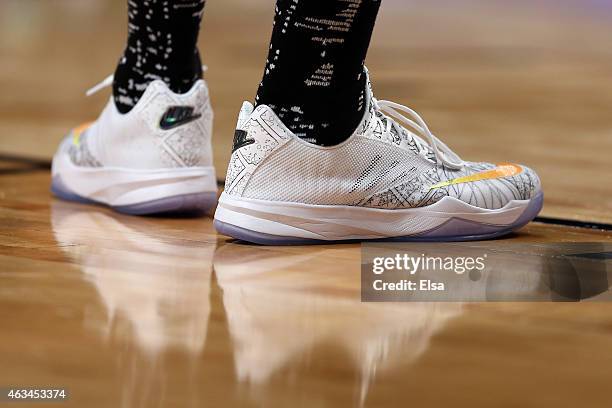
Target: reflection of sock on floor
162 44
314 73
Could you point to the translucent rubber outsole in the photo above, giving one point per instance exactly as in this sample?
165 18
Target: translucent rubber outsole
187 204
455 229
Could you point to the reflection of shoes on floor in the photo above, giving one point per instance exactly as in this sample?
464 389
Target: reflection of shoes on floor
319 312
384 182
154 285
155 159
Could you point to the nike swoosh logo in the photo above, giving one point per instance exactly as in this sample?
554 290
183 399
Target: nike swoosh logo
241 140
501 171
177 116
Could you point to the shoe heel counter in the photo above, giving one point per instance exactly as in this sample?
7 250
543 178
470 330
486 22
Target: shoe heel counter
181 126
190 145
258 134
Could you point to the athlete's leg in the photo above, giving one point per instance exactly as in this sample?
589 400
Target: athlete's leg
314 77
162 44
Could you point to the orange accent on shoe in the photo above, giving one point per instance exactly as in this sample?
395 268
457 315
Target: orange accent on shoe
78 131
501 171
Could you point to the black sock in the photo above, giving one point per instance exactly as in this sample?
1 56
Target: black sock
162 44
314 78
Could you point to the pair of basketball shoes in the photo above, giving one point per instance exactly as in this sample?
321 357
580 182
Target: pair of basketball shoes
391 180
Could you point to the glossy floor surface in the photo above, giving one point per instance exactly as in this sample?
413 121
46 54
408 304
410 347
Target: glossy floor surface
163 312
157 312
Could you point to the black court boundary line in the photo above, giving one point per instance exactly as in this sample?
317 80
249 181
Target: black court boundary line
35 163
38 164
7 172
573 223
32 163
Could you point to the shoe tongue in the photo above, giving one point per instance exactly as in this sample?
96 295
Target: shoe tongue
414 142
374 118
369 117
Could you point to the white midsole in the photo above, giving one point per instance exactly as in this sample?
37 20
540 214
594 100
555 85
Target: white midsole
325 222
120 186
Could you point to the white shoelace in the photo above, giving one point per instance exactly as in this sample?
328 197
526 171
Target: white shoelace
108 81
442 152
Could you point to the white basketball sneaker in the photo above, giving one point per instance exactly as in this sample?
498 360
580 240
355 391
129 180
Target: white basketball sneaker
155 159
384 182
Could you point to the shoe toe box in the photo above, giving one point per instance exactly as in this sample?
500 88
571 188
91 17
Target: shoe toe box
532 185
493 186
